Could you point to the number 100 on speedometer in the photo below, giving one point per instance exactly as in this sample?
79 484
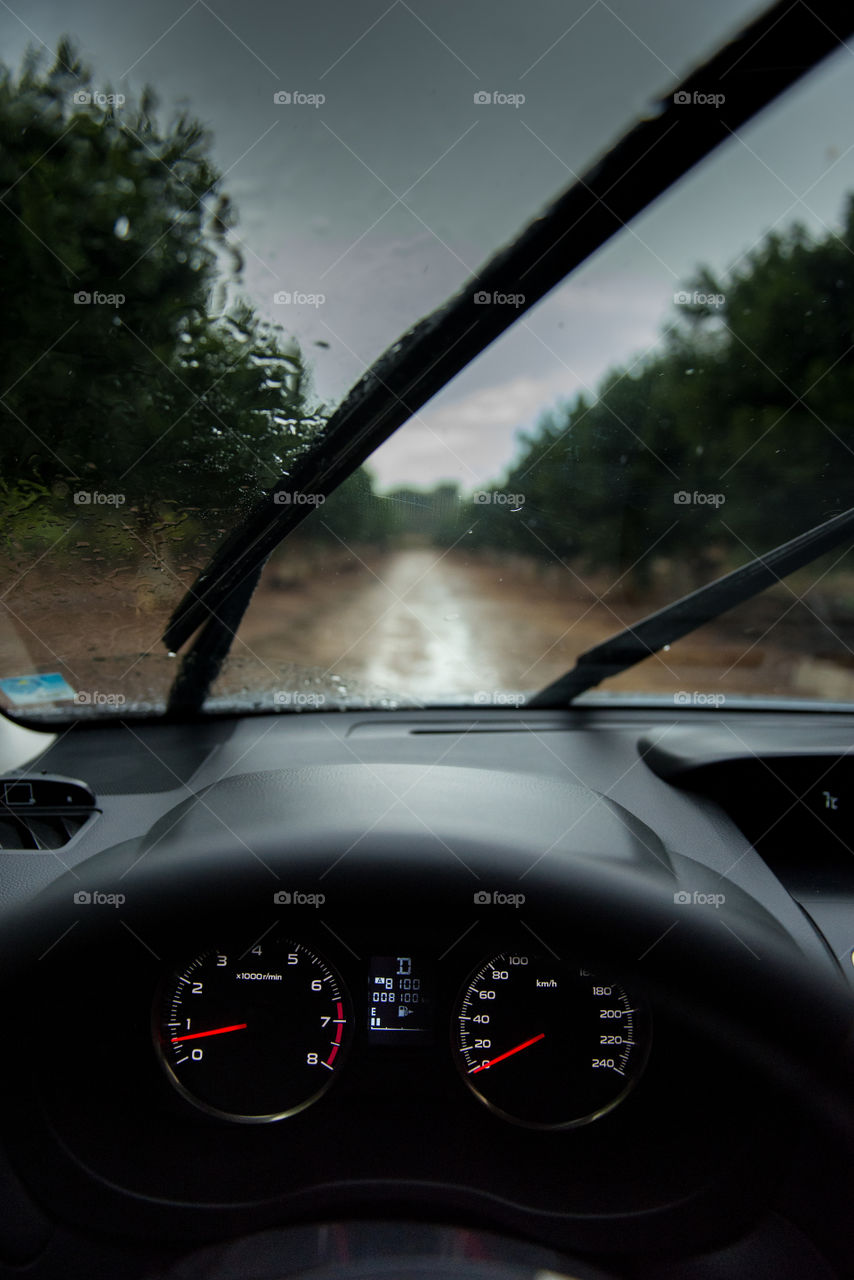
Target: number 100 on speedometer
545 1043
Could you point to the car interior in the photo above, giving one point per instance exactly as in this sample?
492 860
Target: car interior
343 938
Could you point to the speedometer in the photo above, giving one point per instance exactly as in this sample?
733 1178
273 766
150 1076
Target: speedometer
253 1034
547 1044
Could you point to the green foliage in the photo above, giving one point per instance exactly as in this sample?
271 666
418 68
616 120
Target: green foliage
167 394
750 399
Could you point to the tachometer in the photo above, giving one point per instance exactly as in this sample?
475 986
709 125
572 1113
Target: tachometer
255 1035
545 1043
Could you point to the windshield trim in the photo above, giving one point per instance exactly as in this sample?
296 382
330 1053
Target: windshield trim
489 719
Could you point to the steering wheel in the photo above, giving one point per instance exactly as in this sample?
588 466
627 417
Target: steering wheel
385 1251
384 837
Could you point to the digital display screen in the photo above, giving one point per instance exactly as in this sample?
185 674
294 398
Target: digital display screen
400 1000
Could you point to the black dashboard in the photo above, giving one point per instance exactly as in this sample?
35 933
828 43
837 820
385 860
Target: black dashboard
514 975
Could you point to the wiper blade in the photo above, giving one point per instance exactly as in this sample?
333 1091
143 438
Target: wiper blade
630 646
768 56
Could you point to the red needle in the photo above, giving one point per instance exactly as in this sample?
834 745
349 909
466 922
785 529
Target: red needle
217 1031
508 1054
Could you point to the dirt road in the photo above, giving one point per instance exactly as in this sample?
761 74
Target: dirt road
415 622
423 622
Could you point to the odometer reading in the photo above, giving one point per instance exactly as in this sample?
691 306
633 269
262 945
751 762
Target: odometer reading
547 1044
253 1036
400 1001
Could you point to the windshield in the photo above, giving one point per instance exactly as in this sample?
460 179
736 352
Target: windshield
204 249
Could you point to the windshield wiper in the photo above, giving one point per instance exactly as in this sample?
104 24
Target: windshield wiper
630 646
762 61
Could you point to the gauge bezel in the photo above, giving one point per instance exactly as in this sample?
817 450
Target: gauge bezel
170 976
638 1067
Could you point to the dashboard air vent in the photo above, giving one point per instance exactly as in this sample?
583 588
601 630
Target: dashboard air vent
42 812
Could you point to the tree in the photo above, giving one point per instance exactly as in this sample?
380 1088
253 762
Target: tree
748 398
127 372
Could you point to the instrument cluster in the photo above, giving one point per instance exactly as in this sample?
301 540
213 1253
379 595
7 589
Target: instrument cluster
255 1034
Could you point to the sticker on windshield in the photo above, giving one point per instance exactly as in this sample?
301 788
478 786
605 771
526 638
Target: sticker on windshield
24 690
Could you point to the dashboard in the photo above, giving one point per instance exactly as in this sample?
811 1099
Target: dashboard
521 978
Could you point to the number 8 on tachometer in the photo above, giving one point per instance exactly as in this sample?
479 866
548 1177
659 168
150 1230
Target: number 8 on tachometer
253 1034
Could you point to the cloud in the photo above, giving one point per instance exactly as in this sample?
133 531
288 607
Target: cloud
470 431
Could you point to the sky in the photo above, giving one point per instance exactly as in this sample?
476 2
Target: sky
375 203
795 163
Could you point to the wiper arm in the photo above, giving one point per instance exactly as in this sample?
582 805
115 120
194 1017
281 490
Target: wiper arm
762 61
630 646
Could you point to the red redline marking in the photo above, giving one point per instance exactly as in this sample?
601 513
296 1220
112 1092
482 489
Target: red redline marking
508 1054
217 1031
336 1044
